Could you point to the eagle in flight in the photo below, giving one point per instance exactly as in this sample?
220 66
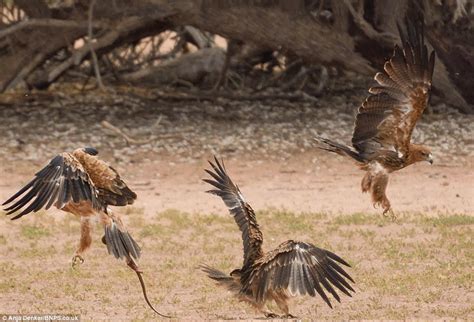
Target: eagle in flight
82 184
385 121
293 268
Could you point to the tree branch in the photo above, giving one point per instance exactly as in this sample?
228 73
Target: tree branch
89 42
48 23
274 28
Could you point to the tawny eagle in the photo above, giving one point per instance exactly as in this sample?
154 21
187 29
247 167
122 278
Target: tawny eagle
385 121
293 268
82 184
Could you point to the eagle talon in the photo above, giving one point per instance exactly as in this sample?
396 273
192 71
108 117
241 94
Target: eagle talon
271 315
393 216
77 260
389 213
289 316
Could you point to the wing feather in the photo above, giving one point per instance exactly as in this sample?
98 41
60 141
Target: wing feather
299 268
389 114
243 214
59 182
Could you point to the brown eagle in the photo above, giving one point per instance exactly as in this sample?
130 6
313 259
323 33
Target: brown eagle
293 268
385 121
82 184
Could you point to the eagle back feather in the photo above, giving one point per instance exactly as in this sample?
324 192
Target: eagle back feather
111 188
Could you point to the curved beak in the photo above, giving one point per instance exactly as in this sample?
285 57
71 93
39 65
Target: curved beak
430 159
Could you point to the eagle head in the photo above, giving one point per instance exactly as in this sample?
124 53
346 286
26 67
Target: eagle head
90 150
421 153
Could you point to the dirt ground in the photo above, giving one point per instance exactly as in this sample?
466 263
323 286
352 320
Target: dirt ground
305 182
417 267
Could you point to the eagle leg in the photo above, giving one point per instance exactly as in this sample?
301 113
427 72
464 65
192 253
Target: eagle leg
84 243
261 307
377 182
282 303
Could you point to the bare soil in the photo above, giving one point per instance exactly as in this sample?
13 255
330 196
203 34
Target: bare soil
417 267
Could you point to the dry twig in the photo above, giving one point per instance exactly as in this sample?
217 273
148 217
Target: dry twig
127 138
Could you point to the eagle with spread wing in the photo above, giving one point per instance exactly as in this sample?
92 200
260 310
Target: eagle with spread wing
83 185
293 268
381 142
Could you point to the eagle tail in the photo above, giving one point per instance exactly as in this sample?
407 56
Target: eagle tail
341 149
119 242
222 278
215 274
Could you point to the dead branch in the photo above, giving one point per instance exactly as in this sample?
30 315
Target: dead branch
385 39
48 23
197 37
110 39
214 96
274 28
91 48
296 32
190 68
24 53
126 137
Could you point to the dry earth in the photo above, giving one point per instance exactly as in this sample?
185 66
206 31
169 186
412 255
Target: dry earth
417 267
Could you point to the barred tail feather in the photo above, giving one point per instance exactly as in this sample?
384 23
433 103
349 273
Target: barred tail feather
120 243
214 273
221 278
341 149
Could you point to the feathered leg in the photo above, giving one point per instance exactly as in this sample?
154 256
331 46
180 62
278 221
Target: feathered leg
85 212
282 303
376 182
85 241
261 307
232 283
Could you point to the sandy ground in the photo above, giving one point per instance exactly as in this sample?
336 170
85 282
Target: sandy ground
417 267
313 182
402 269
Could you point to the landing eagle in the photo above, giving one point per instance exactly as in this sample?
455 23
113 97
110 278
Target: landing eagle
381 141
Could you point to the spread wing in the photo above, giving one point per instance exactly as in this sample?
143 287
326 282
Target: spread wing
111 188
243 214
62 180
299 269
386 119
